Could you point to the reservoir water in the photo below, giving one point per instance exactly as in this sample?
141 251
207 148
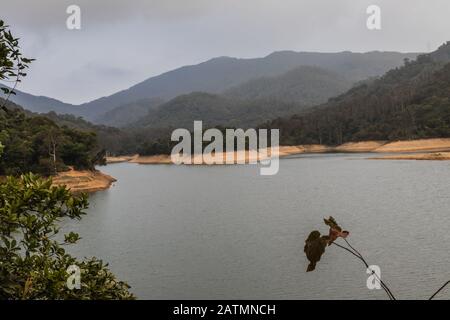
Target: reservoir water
226 232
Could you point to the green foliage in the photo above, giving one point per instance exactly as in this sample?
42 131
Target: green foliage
12 63
112 140
33 263
156 147
36 144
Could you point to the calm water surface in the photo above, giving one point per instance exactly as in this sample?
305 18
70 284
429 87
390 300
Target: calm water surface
225 232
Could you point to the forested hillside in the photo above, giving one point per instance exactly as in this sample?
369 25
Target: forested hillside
215 110
37 144
28 140
407 103
129 113
304 85
111 139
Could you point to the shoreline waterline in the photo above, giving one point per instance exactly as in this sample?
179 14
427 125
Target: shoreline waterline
424 146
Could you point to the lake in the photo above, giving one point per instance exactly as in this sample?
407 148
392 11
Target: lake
226 232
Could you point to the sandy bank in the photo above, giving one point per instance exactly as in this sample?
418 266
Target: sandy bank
199 160
416 156
435 147
423 145
363 146
157 159
120 159
221 157
416 145
305 148
84 181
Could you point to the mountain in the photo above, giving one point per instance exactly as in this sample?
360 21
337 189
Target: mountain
409 102
305 85
129 113
215 110
42 104
250 103
220 74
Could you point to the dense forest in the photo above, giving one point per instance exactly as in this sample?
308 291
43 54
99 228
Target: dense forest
409 102
38 144
305 84
87 142
118 141
215 110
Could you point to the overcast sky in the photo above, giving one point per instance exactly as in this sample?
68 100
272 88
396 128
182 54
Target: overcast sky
124 42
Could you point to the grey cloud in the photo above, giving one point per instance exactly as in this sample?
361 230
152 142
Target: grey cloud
50 13
124 42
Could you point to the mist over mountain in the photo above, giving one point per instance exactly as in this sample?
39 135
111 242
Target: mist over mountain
220 74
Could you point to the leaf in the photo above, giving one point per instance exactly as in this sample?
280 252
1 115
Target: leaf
335 230
331 222
314 248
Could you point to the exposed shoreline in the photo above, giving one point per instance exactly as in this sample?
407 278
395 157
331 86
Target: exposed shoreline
424 149
83 180
436 156
428 149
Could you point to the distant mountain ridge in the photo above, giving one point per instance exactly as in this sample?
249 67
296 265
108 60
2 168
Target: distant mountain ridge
42 104
409 102
220 74
251 102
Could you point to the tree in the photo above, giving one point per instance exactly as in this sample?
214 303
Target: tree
33 261
12 63
316 244
36 144
53 142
